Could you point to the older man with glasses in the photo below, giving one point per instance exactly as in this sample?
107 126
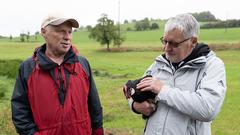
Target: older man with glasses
189 81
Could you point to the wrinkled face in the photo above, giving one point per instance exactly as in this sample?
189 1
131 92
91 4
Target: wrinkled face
58 38
177 52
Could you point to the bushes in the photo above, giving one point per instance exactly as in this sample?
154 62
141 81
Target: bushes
3 89
6 85
8 71
9 68
222 24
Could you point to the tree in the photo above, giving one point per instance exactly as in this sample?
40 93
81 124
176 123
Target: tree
22 35
138 26
10 37
28 36
129 29
125 21
142 25
105 32
36 35
81 28
205 16
134 20
154 26
145 23
222 24
75 30
118 39
89 27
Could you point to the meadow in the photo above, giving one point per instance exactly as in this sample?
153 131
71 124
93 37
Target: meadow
112 69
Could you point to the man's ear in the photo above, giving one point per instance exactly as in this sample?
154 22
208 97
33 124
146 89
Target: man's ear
43 32
194 40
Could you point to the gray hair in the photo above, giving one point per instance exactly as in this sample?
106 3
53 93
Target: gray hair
185 23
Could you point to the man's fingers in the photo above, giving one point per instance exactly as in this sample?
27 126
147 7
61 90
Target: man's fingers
148 88
149 109
145 79
144 84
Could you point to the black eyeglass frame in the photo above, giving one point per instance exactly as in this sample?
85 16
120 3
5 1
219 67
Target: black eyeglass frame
172 43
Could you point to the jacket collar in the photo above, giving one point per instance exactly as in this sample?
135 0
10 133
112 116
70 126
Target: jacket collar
46 64
196 59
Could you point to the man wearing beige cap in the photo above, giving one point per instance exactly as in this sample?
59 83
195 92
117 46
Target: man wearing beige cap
55 93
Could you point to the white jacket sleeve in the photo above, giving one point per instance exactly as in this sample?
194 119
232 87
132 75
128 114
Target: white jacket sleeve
206 101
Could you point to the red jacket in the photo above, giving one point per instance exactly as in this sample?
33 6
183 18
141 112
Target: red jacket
52 99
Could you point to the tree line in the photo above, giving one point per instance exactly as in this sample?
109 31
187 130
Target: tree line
204 16
107 32
25 37
222 24
145 24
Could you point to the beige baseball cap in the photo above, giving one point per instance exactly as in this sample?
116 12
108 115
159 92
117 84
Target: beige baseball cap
57 20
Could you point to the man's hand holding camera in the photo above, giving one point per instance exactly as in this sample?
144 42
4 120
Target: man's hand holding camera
146 84
150 84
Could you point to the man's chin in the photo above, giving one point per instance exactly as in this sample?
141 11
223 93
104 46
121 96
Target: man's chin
172 59
65 49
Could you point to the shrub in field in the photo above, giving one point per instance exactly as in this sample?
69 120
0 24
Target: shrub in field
5 86
9 68
3 89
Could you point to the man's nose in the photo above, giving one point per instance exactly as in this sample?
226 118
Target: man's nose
68 36
167 46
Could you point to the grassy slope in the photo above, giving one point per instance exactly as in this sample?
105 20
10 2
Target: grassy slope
117 68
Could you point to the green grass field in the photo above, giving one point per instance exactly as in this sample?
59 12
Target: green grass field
115 68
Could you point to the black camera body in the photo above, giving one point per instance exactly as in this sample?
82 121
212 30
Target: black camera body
136 94
140 96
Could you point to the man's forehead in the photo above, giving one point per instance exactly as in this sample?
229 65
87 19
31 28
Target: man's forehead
175 33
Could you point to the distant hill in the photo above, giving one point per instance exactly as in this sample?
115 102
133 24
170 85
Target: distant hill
2 36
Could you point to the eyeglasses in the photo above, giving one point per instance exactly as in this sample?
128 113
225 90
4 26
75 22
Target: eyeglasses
172 43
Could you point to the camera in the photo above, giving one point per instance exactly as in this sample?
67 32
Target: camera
136 94
140 96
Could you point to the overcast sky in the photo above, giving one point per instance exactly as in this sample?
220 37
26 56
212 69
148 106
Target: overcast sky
26 15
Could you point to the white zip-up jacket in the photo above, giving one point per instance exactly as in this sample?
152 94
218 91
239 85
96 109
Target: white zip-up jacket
191 97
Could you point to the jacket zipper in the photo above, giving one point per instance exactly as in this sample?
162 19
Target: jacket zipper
165 121
61 87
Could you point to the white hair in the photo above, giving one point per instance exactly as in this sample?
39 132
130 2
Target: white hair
186 23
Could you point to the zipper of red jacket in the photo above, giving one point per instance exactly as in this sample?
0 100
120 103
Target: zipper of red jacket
61 94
